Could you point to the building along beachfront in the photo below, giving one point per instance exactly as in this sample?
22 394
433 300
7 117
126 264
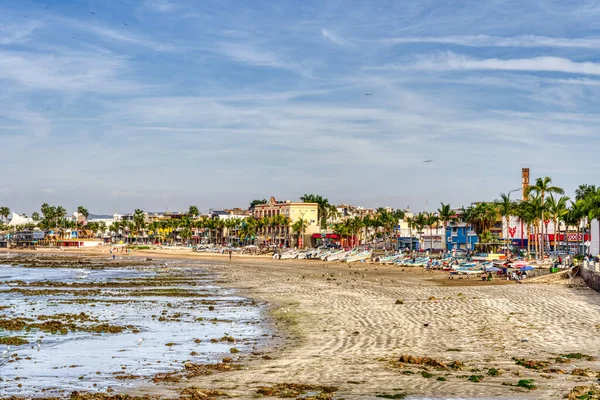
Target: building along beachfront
309 212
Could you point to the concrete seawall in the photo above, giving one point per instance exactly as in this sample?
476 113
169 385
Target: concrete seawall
590 272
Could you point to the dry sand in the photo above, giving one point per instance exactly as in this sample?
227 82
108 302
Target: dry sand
339 326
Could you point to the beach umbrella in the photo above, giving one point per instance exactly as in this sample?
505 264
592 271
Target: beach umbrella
527 268
492 269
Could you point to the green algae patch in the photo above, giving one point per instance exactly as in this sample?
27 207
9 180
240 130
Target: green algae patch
13 341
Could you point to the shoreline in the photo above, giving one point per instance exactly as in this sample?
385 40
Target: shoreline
339 325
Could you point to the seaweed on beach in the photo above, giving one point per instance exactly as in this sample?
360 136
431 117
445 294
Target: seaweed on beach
429 362
591 392
578 356
531 364
192 370
13 341
194 393
87 396
55 326
288 390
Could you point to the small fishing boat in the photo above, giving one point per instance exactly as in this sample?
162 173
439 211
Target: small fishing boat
359 257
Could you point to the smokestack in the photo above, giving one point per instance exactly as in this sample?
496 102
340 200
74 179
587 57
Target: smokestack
524 183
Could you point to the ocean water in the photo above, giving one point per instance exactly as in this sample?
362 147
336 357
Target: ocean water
90 361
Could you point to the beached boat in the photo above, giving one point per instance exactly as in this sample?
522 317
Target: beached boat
335 256
359 257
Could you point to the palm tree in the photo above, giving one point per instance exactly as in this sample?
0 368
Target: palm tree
445 214
367 223
583 191
341 230
411 224
247 229
323 204
557 208
60 214
139 222
506 209
355 225
81 210
591 206
4 213
420 222
543 186
193 211
36 216
298 228
432 221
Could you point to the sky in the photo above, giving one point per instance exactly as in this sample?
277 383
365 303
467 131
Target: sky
160 104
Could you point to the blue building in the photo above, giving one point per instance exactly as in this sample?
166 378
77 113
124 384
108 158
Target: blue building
460 237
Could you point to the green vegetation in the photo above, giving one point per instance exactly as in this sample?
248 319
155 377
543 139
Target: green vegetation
13 341
391 396
527 384
476 378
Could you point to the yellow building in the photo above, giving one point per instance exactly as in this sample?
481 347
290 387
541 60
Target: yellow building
294 211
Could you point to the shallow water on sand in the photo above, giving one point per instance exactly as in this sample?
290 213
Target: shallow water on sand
80 360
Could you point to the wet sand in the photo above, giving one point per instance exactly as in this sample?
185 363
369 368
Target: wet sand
341 326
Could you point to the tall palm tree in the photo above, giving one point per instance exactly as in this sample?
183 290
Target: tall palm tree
81 210
367 222
583 191
355 226
591 206
420 221
4 213
342 230
557 208
323 207
299 227
411 224
247 230
543 186
432 221
506 209
445 214
60 214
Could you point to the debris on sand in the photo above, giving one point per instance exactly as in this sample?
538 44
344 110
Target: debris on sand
290 390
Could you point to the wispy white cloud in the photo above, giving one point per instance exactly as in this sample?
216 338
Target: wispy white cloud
499 41
251 55
122 36
17 33
334 38
457 62
161 6
64 72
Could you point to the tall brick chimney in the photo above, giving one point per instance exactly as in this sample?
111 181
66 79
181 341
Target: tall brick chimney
524 183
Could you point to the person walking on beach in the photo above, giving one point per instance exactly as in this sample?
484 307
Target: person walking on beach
229 255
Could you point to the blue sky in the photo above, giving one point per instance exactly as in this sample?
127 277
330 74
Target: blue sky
160 104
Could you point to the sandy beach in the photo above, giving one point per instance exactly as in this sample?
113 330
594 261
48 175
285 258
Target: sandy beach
348 326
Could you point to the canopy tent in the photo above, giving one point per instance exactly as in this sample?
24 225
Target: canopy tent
16 219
